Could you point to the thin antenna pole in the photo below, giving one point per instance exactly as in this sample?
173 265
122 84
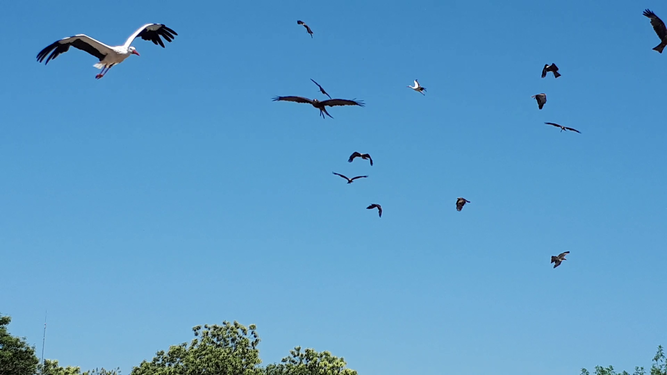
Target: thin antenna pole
43 341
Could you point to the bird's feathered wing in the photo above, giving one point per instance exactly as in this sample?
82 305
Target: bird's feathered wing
354 155
152 32
657 24
375 205
341 175
357 177
544 71
79 41
339 102
296 99
541 100
572 129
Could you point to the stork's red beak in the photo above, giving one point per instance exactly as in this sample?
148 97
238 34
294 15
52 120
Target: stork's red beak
135 53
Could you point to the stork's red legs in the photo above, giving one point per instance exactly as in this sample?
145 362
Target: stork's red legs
103 72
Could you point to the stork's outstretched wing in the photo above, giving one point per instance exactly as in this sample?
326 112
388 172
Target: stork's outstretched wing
553 124
296 99
354 178
338 102
79 41
571 129
354 155
152 32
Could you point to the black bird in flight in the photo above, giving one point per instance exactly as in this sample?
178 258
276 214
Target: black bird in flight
558 259
360 155
550 68
659 28
460 202
349 180
375 205
306 26
562 127
321 89
321 105
541 99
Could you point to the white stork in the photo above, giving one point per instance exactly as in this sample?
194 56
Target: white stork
417 87
109 56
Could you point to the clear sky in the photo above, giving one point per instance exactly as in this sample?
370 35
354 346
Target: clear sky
174 192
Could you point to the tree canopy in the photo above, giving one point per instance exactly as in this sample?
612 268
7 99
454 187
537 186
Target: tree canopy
658 367
231 349
16 356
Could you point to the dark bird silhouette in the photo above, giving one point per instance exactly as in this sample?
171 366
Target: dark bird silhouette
306 26
375 205
541 99
321 89
562 127
349 180
460 202
659 28
550 68
558 259
319 104
360 155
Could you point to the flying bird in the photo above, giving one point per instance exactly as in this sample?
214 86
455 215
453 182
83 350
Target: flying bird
460 202
562 127
321 89
360 155
375 205
417 87
321 105
108 55
349 180
306 26
550 68
659 28
558 259
541 99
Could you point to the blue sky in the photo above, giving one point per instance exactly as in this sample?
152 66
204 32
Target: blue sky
174 192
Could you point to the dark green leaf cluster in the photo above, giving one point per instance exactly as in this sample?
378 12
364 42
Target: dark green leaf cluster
16 356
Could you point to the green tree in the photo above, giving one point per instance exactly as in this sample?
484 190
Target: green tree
51 367
659 367
16 356
310 362
228 349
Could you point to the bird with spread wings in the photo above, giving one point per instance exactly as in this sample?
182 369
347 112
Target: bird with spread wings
460 202
558 259
550 68
562 127
357 154
321 105
659 28
349 180
299 22
108 55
